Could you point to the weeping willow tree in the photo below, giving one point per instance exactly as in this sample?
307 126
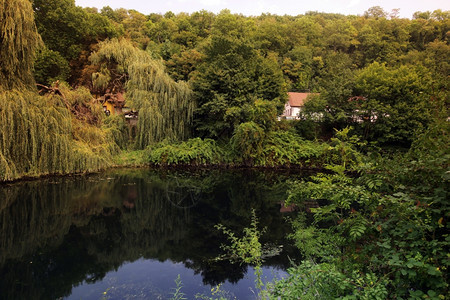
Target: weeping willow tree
165 107
39 134
19 41
28 127
35 135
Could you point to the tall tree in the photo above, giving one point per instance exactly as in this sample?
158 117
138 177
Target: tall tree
232 77
19 41
70 31
396 102
165 106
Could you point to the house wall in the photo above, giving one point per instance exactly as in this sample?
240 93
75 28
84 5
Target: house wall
110 107
287 110
295 111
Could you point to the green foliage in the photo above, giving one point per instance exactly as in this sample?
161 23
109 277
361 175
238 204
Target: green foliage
195 152
232 77
246 249
50 66
314 242
39 136
286 148
69 29
344 149
399 97
177 294
19 41
35 136
247 141
252 146
165 106
325 281
387 226
117 128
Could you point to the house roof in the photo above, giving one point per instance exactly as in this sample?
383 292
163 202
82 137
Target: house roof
297 99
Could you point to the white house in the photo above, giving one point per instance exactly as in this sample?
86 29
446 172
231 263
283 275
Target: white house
293 107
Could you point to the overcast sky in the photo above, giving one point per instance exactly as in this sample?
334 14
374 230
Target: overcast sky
279 7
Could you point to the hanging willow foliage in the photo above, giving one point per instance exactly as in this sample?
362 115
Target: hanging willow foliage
38 135
165 107
35 136
19 41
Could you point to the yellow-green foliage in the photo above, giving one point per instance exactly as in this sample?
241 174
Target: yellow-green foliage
117 130
165 107
42 134
92 146
19 40
38 136
35 135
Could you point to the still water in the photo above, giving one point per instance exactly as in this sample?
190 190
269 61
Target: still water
130 233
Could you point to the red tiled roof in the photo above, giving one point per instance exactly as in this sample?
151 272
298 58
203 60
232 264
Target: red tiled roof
297 99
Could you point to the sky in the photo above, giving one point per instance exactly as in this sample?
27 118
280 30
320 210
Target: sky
278 7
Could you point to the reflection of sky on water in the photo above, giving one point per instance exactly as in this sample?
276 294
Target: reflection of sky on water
152 279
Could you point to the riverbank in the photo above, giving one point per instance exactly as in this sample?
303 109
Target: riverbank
136 159
278 151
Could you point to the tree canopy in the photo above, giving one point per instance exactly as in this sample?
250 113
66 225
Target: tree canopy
165 106
19 41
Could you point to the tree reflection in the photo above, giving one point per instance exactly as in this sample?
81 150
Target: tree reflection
57 233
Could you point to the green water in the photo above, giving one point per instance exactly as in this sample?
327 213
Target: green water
128 233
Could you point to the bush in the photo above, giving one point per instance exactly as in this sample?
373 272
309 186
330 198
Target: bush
325 281
195 152
284 148
388 225
247 142
253 147
116 127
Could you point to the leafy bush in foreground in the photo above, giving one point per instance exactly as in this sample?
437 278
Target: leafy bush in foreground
381 235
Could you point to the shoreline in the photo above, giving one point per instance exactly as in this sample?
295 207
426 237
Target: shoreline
188 167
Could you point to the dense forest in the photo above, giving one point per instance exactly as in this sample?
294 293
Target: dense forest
219 79
208 88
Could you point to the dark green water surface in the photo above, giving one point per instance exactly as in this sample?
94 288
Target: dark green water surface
129 233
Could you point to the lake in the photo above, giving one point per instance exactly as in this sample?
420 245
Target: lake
130 233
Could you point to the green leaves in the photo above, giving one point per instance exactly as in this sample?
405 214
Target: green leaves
50 66
246 249
19 42
387 222
195 152
232 78
325 281
398 98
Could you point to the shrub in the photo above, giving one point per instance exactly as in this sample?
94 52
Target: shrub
193 152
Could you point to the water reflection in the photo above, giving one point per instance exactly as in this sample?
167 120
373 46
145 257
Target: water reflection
58 233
